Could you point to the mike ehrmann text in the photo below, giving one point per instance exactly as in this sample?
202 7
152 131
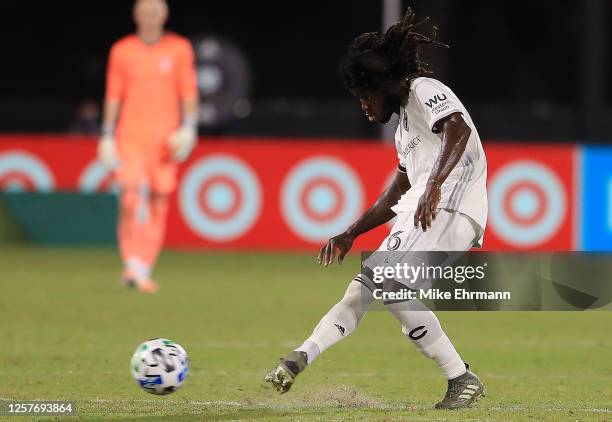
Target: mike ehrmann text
437 294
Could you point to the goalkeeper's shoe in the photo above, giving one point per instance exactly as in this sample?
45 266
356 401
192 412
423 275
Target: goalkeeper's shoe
283 376
128 278
147 286
462 391
133 281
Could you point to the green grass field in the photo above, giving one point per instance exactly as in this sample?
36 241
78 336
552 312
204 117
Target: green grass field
69 329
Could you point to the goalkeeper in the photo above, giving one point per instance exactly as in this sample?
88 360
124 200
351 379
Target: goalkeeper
149 127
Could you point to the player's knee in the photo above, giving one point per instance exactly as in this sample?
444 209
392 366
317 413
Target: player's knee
128 207
357 295
395 296
127 212
159 205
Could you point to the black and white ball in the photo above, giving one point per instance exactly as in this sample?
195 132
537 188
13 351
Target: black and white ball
160 366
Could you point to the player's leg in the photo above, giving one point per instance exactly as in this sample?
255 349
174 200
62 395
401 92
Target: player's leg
127 232
342 319
162 178
421 326
134 216
450 232
154 229
131 178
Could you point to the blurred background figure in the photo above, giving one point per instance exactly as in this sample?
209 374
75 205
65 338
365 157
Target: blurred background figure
86 119
149 126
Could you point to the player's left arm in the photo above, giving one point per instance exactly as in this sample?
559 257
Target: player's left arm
184 139
454 133
115 92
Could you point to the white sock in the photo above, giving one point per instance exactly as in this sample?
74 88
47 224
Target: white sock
421 326
340 321
139 268
311 349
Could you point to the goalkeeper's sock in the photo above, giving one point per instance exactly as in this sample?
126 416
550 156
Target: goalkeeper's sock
129 228
138 268
154 229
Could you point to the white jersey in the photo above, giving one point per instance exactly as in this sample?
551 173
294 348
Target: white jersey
418 146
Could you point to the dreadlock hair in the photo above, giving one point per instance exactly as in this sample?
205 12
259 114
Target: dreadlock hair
375 59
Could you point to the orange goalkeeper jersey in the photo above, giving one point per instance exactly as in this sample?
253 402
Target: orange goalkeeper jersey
150 81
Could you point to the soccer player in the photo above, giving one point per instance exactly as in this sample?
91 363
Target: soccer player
439 197
149 126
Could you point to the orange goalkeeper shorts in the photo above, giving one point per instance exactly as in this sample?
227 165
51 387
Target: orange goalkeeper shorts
160 176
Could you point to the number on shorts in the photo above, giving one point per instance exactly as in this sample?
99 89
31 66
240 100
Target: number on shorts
394 241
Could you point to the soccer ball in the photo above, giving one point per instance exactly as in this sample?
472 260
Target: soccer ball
160 366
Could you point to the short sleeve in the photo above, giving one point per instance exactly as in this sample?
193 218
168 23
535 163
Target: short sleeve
436 102
115 76
188 83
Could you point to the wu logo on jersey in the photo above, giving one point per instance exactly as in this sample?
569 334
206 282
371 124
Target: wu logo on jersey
405 121
437 98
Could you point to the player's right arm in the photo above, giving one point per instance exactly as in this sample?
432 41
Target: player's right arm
115 86
377 215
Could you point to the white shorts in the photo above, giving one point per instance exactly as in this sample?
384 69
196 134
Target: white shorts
450 231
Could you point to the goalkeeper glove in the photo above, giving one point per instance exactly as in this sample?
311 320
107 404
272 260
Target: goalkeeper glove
107 151
183 141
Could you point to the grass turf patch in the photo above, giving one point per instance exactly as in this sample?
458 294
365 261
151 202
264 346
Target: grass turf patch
69 329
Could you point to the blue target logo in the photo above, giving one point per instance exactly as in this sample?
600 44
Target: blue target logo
21 171
527 203
320 198
220 197
97 177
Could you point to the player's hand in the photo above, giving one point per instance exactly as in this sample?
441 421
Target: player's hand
426 211
335 247
183 141
107 151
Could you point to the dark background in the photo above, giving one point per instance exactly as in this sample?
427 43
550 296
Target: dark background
526 70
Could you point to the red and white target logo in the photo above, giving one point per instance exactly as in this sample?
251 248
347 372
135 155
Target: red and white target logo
220 197
96 177
527 203
320 198
22 171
